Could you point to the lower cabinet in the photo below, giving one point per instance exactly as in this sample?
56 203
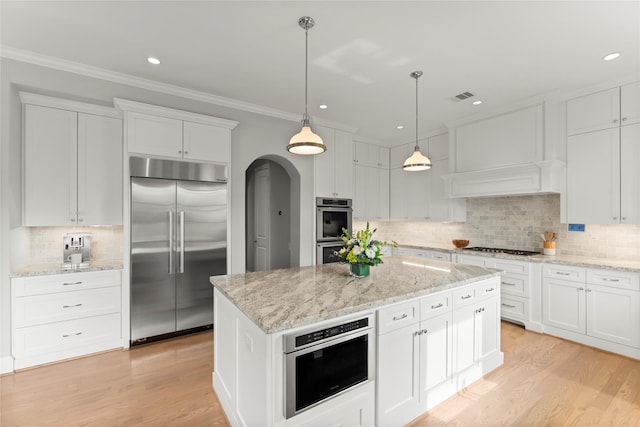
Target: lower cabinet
596 307
431 347
59 316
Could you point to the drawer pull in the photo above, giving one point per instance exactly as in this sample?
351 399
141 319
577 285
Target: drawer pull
72 283
404 316
433 307
563 273
507 283
606 279
508 305
70 306
71 335
490 289
465 296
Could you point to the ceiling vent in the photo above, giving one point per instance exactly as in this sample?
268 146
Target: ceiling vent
462 96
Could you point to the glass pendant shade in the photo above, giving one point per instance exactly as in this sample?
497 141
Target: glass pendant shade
417 162
306 142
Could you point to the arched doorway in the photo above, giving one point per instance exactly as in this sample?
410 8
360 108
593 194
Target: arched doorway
272 205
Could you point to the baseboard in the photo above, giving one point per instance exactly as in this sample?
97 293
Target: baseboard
6 365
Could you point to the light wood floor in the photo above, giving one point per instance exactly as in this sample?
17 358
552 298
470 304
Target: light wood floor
545 381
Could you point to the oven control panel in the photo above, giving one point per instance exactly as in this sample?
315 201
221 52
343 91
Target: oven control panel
322 334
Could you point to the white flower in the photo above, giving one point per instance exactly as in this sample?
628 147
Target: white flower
343 250
370 253
357 250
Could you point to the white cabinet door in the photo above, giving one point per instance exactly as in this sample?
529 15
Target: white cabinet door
398 195
50 158
435 353
371 195
593 177
418 192
398 390
596 111
613 314
630 104
439 202
324 164
630 174
464 338
343 160
99 170
563 305
155 135
205 142
361 192
488 341
397 155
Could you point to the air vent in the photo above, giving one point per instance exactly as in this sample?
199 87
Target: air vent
462 96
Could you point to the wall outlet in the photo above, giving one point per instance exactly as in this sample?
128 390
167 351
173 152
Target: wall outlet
576 227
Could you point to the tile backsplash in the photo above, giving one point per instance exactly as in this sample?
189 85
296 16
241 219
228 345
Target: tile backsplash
46 243
516 222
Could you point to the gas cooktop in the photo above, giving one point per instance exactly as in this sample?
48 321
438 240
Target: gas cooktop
501 251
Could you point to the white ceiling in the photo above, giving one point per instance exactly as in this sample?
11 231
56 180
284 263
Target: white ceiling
360 52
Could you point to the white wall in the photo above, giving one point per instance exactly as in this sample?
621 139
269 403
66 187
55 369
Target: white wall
256 136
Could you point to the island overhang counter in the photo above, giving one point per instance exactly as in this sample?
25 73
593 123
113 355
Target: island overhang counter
433 329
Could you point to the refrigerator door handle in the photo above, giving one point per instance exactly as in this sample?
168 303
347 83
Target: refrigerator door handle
181 241
171 228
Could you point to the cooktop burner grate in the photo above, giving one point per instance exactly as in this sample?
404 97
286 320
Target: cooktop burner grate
502 251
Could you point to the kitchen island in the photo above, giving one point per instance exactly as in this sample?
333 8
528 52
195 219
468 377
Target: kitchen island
432 328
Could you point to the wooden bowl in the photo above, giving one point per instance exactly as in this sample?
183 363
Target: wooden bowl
459 243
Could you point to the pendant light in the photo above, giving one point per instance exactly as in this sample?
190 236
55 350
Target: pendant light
306 142
417 161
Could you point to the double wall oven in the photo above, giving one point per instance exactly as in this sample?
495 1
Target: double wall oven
332 215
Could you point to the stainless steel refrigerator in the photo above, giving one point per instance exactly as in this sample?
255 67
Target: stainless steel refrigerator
178 240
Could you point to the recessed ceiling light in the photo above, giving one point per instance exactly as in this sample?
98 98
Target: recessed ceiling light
323 107
152 60
611 56
399 127
478 102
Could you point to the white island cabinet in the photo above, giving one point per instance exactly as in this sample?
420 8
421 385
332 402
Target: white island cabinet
404 316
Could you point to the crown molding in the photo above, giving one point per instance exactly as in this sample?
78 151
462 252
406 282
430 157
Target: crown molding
65 104
152 85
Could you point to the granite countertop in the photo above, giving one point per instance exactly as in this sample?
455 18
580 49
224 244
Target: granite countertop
607 264
278 300
56 268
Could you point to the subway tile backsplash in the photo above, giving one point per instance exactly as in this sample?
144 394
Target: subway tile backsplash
516 222
46 243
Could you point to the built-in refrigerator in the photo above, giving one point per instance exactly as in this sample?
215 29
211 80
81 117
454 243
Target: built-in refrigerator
178 240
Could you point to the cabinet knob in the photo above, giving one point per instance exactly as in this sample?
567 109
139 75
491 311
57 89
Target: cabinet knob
615 120
624 218
73 220
581 289
615 217
624 119
179 151
80 220
186 152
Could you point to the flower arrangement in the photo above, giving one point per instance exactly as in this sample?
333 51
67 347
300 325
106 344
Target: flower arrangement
361 248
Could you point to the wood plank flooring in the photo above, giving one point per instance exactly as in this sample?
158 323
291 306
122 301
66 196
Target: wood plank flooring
545 381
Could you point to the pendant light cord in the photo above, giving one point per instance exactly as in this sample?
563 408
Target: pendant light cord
305 119
417 147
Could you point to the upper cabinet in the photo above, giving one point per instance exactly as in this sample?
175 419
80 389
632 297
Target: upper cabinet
603 151
513 152
72 171
371 182
165 132
604 110
334 167
421 195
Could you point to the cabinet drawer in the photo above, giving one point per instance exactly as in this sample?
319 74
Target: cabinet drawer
512 284
487 288
514 308
514 267
397 316
614 279
434 305
64 336
464 296
61 306
36 285
564 272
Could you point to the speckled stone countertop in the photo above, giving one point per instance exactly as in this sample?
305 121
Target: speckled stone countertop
278 300
607 264
56 268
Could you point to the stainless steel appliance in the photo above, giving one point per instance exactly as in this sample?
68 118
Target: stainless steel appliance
178 240
322 363
501 251
332 215
76 243
325 252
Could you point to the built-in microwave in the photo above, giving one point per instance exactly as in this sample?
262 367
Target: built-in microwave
332 215
322 362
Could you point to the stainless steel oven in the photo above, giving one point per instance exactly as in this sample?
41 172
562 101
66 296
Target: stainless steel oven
325 252
321 363
332 215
